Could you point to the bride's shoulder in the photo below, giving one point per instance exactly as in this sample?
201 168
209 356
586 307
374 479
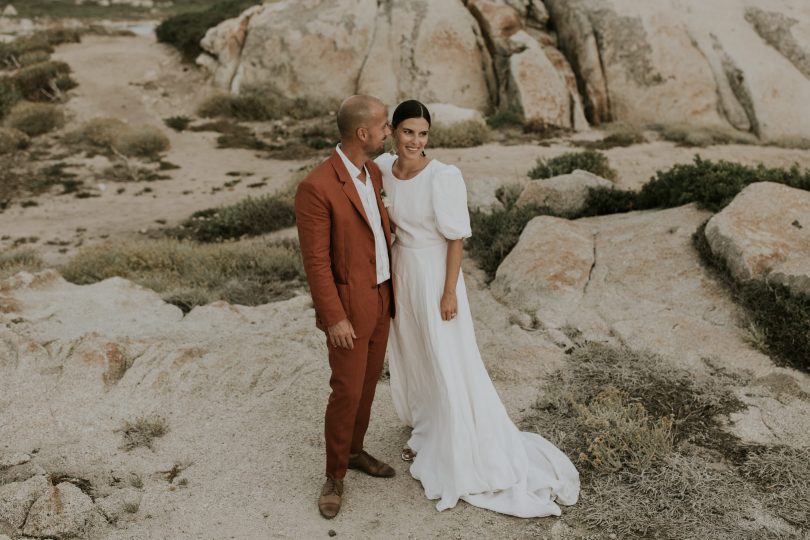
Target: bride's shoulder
445 170
385 160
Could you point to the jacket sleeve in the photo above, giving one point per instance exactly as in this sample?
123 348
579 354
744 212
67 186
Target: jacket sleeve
314 222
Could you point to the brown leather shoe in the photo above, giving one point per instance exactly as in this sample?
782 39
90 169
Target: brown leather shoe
370 465
329 501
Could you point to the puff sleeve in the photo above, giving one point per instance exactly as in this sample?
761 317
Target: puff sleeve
450 204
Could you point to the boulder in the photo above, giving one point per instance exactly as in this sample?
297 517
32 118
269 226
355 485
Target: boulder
548 270
16 500
764 234
448 115
63 511
564 194
10 11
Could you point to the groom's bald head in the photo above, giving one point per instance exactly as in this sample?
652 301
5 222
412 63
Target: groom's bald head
357 111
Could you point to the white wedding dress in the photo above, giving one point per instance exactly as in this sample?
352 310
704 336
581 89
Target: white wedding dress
466 445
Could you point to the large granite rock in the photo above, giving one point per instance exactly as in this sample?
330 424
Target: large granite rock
764 234
528 274
564 194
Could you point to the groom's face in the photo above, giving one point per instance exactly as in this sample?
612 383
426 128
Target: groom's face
378 130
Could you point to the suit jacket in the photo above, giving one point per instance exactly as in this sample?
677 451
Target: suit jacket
337 245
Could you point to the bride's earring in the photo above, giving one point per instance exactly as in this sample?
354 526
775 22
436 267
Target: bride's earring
424 154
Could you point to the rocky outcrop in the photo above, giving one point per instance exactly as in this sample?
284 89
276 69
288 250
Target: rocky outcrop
764 234
565 194
63 511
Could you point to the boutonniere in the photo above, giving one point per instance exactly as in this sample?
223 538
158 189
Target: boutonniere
384 196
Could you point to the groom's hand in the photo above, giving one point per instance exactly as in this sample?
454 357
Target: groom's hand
342 335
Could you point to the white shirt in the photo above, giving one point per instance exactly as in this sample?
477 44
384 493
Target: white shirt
366 191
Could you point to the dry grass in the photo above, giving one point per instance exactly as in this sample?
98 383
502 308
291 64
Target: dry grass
461 135
35 118
654 459
143 431
114 136
12 139
189 274
18 260
690 135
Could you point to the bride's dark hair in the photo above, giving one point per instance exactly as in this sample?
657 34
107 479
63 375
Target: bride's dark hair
409 109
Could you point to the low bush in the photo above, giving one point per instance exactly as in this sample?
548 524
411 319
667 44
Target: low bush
185 31
35 118
177 123
18 260
33 57
506 117
592 161
689 135
249 217
261 103
12 140
618 135
38 82
782 317
116 136
9 95
712 184
189 274
460 135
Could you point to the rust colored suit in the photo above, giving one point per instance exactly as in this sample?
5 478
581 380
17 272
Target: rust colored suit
337 245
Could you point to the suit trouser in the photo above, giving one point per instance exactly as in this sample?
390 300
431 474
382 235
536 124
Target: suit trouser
355 374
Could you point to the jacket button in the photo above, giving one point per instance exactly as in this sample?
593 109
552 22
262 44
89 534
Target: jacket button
371 260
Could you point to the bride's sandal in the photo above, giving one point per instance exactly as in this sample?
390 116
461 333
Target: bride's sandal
407 454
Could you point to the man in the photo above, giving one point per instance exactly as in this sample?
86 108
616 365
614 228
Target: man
345 242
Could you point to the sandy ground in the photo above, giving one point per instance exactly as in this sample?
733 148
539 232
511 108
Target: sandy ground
143 82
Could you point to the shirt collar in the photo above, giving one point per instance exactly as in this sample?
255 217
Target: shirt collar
354 172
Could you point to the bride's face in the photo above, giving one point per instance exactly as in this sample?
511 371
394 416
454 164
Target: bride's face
411 137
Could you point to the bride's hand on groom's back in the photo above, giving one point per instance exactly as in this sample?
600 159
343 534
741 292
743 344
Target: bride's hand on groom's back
342 335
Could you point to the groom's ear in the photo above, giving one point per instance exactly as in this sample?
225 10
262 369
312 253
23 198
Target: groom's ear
362 134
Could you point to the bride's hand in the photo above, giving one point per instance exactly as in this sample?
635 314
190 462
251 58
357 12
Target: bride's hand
449 306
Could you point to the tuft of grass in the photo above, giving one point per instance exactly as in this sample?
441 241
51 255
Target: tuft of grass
12 140
143 431
689 135
592 161
618 135
9 95
460 135
249 217
35 118
190 274
185 31
177 123
141 141
780 317
12 262
261 103
115 136
783 475
39 82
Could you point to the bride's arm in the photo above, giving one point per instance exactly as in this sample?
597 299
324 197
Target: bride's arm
449 303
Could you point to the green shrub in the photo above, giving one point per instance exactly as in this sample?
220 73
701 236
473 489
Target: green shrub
141 141
35 118
189 274
12 139
460 135
185 31
712 184
177 123
9 95
249 217
38 82
618 135
506 117
602 201
592 161
782 317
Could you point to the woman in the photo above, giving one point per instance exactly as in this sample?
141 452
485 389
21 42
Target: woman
463 444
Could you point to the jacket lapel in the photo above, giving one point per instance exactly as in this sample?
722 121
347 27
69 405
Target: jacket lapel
386 224
348 185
